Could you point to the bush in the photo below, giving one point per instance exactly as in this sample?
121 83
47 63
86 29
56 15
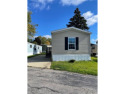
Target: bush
72 61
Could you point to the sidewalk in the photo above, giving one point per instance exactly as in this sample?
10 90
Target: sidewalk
39 61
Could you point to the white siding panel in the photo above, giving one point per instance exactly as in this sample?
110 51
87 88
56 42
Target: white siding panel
67 57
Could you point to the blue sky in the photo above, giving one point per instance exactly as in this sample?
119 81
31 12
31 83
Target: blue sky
55 14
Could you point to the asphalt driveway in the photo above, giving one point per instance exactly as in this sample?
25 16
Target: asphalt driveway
39 61
47 81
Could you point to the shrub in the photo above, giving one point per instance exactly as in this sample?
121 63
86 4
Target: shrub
71 61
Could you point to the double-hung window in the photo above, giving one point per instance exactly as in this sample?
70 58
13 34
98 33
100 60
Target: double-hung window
71 43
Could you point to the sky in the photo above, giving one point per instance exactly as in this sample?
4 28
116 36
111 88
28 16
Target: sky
52 15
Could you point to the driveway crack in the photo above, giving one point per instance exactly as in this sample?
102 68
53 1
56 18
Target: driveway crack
44 87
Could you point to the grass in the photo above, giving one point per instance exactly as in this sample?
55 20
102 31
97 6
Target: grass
43 53
36 55
82 67
94 59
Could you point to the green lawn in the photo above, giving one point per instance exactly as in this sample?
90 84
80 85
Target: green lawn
82 67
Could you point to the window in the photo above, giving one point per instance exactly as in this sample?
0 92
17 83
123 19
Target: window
30 46
71 43
93 47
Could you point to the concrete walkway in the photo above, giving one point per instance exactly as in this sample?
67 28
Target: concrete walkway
39 61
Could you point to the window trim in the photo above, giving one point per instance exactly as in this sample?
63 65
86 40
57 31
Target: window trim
72 43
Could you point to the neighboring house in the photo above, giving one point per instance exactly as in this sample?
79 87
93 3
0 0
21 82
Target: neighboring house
49 48
71 43
93 49
33 49
44 46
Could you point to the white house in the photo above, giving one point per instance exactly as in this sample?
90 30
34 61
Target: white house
33 49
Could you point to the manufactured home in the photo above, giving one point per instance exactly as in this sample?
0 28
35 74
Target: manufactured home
71 43
94 50
33 49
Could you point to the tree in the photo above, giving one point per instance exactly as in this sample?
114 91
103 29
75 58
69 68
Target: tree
30 40
49 40
78 21
43 40
38 40
31 28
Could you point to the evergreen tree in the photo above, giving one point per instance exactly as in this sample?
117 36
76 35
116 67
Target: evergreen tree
78 21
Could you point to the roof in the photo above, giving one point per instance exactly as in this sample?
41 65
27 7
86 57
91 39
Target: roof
71 28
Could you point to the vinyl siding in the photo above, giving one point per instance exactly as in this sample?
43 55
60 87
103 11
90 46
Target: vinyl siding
58 42
30 51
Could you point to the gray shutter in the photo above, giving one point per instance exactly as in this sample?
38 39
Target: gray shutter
66 43
77 43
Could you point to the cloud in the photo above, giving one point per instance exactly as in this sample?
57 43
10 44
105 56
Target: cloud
87 14
91 21
35 36
50 0
94 40
47 36
72 2
32 37
90 17
48 7
36 5
41 4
